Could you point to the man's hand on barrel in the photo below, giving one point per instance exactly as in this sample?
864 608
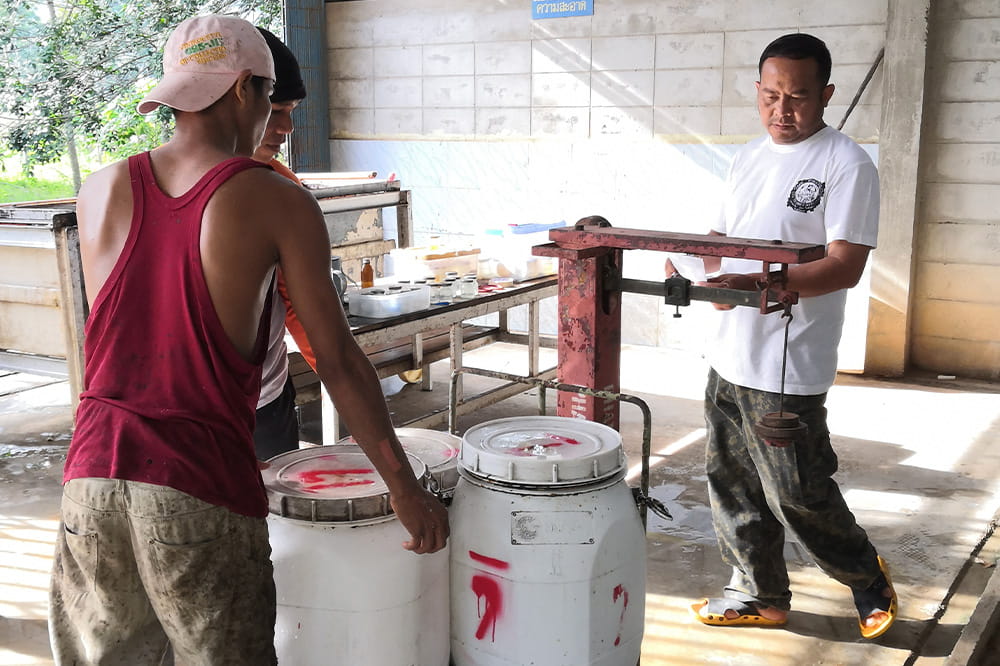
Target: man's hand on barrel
424 517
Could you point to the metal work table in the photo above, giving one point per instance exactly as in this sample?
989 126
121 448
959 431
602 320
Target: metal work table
415 326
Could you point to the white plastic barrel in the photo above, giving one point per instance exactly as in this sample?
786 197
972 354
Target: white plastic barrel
548 554
347 591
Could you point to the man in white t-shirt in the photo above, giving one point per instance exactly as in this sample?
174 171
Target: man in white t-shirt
801 182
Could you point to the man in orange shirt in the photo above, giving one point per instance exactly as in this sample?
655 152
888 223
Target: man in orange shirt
277 427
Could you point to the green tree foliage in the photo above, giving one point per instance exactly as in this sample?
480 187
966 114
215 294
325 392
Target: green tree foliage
77 68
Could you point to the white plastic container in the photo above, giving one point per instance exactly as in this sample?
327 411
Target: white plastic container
548 561
388 300
347 591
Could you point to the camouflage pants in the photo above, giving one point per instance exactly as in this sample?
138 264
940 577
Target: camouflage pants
138 565
758 490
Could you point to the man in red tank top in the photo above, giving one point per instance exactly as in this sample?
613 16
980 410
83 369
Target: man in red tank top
164 540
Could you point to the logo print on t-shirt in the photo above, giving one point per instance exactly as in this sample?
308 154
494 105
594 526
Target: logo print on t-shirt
806 195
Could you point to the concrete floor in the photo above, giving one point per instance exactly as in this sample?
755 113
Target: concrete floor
919 465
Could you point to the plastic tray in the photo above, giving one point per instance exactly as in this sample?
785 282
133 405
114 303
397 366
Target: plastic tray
386 301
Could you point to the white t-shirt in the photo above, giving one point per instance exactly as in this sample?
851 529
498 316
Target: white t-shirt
817 191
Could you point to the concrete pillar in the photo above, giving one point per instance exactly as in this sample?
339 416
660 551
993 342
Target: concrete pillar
305 35
887 349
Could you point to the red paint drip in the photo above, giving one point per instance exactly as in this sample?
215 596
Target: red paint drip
487 588
560 439
620 591
490 562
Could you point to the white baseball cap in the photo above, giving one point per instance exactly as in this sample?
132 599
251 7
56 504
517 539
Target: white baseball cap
202 60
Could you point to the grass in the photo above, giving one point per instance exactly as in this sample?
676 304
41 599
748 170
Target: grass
34 189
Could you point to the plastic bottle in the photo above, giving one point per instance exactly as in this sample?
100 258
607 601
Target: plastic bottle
367 274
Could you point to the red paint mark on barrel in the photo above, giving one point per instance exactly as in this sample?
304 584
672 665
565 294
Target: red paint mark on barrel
560 439
489 604
489 561
314 480
620 593
489 596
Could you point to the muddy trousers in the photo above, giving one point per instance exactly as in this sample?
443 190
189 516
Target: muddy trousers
757 490
137 566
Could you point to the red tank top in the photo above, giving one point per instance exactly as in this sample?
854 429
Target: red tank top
167 398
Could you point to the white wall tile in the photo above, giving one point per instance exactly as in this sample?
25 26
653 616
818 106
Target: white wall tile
971 39
626 89
449 91
390 122
687 120
632 122
968 8
351 122
739 86
565 27
853 44
499 23
398 92
503 90
560 55
968 122
962 202
449 59
564 122
690 51
849 12
687 87
446 26
688 15
395 61
351 93
964 162
354 63
561 89
959 243
503 122
741 121
621 53
624 17
971 81
503 57
452 122
400 28
743 47
346 28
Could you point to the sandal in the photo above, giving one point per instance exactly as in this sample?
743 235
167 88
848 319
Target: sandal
748 615
872 600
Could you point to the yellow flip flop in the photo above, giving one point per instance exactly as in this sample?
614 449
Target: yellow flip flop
715 614
872 599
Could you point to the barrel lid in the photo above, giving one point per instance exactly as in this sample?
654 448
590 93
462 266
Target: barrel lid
438 450
329 484
542 450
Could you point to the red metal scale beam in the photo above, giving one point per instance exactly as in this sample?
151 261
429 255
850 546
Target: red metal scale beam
594 237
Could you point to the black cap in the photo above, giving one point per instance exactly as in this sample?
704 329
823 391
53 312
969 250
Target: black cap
288 85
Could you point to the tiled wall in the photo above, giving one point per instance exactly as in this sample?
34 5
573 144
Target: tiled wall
491 118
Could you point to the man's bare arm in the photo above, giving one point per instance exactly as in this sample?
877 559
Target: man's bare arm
304 254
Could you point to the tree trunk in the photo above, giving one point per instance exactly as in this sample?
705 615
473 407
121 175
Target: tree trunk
74 161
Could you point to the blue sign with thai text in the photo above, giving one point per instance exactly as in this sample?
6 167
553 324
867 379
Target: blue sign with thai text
543 9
